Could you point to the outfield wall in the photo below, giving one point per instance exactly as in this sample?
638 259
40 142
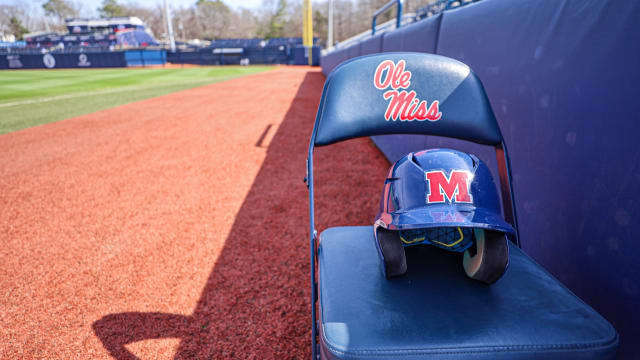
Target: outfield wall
291 55
83 59
563 77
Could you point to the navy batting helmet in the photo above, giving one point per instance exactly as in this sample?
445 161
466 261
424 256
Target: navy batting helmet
448 199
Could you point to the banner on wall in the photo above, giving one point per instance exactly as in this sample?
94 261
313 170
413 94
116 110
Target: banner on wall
63 61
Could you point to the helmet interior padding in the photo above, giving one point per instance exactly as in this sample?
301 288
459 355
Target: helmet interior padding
488 258
393 254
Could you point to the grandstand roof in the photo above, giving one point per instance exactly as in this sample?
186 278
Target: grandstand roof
126 20
38 33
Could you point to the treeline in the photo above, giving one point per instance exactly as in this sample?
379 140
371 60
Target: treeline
207 19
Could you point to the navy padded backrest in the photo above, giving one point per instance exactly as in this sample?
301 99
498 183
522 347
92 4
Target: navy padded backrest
393 40
422 36
372 45
351 106
354 51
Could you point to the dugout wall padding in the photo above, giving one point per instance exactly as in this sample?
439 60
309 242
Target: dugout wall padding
563 78
372 45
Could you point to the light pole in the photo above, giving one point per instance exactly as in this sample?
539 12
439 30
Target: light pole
330 26
167 15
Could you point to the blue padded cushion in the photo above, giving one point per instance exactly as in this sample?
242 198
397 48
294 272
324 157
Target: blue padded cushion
351 106
436 312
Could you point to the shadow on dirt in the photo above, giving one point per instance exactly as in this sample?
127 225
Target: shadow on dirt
255 303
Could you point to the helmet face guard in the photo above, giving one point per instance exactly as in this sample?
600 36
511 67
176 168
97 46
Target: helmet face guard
440 197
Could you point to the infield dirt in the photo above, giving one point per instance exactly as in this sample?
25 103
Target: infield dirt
174 227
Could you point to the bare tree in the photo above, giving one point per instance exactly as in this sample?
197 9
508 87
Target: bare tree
111 8
61 9
344 23
415 5
185 23
293 24
211 19
320 26
244 24
274 18
25 18
151 15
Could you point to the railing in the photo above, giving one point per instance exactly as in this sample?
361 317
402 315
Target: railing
402 19
440 6
386 7
385 26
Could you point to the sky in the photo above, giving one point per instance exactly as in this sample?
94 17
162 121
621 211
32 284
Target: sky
93 4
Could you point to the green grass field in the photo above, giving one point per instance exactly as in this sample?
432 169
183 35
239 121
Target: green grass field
34 97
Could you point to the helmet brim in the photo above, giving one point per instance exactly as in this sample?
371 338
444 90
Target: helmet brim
445 215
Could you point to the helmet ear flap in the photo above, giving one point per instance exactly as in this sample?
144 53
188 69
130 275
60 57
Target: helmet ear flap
488 259
393 256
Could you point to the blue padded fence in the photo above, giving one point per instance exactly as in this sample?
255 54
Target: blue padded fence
62 61
145 57
292 55
71 60
563 79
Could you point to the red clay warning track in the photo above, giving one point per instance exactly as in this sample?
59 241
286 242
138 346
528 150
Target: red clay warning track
174 227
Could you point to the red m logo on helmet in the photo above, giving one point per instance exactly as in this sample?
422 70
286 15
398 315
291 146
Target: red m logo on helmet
455 187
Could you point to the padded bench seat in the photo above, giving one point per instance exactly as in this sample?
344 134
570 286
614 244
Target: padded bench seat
436 312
